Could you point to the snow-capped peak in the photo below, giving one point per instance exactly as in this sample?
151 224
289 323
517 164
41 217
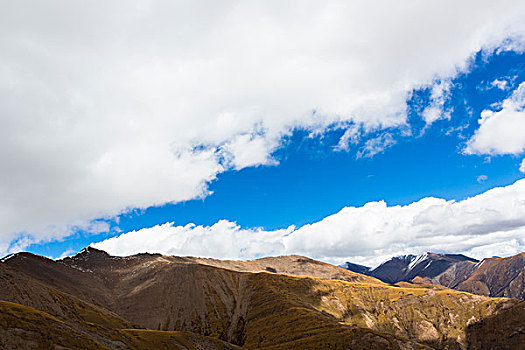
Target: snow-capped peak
416 260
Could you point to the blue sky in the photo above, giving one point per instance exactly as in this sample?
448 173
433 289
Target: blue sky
341 131
313 179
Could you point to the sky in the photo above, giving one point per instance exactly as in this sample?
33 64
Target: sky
343 131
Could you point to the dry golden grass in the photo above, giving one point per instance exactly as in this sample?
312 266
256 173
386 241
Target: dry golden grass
24 327
287 309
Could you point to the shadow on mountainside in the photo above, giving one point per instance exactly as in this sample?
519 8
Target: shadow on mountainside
503 331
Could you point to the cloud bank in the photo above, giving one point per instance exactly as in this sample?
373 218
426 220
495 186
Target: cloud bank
107 106
492 223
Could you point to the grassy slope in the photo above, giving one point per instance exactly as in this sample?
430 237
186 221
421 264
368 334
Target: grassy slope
23 327
326 308
39 316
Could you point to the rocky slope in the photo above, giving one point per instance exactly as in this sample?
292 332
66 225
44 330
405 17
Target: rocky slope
272 303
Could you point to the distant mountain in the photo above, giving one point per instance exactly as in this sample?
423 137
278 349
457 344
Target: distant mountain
495 277
356 267
407 267
149 301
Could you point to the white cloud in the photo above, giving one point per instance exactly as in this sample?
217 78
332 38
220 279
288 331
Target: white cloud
66 253
500 84
501 249
440 93
224 240
351 135
482 178
248 150
522 166
376 145
104 106
492 223
501 132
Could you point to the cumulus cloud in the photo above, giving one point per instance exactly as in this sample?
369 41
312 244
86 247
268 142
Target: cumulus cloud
224 240
492 223
502 131
106 106
522 166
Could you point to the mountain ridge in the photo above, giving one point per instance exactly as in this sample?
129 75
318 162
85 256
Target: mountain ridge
495 277
150 298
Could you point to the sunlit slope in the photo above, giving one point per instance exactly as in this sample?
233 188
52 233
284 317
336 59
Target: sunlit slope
432 317
288 313
290 265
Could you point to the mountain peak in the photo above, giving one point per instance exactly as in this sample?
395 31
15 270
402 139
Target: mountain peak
87 253
88 259
91 250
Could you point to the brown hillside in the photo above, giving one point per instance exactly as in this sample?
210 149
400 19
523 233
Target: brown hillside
23 327
498 277
20 288
290 265
235 302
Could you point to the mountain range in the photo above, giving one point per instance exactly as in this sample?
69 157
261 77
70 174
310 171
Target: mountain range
93 300
494 277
